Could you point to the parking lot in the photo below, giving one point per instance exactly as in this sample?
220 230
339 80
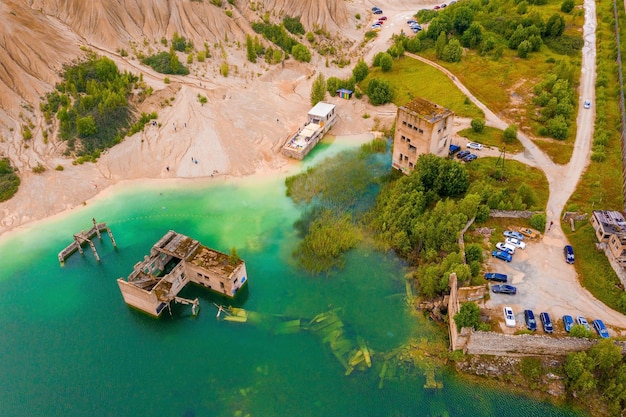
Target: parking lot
550 284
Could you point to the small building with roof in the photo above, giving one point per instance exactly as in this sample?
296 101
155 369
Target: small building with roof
320 119
422 127
344 93
174 261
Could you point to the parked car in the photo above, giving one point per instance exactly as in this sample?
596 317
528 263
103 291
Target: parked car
410 21
515 242
475 146
495 276
546 322
504 289
463 154
505 256
587 104
529 318
513 234
382 18
569 254
601 328
415 30
470 157
452 149
529 232
437 7
583 322
416 26
505 247
378 11
568 322
443 5
509 317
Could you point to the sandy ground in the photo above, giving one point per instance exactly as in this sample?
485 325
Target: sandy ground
239 131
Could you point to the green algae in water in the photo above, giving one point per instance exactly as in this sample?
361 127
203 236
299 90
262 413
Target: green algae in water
71 346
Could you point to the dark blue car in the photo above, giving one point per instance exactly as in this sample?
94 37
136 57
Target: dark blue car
529 318
463 154
569 254
502 255
601 329
504 289
495 276
568 322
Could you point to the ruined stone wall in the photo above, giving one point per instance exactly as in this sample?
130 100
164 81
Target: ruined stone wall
491 343
453 308
515 214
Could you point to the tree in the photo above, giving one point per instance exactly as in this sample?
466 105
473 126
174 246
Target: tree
86 126
463 18
441 43
379 91
580 380
567 6
332 85
250 50
524 49
301 53
557 127
478 125
473 252
377 57
234 258
439 24
360 71
468 316
473 36
453 52
386 62
318 90
555 26
578 330
510 134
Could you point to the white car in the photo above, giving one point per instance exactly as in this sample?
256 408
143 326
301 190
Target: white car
515 242
475 146
509 317
505 247
587 104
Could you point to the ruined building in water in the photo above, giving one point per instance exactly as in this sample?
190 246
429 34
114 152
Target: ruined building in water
174 261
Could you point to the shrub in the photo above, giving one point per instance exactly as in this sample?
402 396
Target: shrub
379 91
293 25
9 181
510 134
224 69
166 63
386 62
59 168
467 316
360 71
538 221
567 6
39 169
478 125
301 53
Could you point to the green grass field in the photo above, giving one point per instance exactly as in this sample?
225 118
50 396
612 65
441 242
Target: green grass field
410 78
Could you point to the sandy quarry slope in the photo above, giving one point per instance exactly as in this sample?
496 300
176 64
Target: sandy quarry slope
238 131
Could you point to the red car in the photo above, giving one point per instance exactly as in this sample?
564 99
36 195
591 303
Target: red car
382 18
437 7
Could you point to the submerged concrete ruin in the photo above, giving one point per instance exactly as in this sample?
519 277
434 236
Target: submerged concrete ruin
174 261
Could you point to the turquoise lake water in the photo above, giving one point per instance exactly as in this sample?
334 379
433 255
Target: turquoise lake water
71 347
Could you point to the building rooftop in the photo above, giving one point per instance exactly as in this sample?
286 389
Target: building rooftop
427 110
612 221
321 109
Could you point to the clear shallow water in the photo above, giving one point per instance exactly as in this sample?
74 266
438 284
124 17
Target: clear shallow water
71 347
